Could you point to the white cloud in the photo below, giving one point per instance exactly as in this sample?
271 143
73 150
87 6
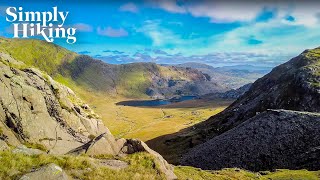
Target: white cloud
304 12
160 36
168 5
223 11
279 39
129 7
111 32
83 27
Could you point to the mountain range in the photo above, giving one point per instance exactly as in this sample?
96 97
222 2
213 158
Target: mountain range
233 77
134 80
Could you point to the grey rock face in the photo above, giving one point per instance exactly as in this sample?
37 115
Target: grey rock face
270 140
48 172
3 146
27 151
36 109
123 147
293 85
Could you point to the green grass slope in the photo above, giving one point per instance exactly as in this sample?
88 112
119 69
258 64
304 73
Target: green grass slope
85 73
141 166
46 56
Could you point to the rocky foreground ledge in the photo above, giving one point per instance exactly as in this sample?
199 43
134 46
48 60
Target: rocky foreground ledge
37 111
270 140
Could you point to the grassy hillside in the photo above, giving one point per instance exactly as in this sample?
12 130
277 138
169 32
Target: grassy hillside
46 56
127 80
141 166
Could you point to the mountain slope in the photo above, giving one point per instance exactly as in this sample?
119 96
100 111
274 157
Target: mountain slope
293 86
140 79
129 80
273 139
39 112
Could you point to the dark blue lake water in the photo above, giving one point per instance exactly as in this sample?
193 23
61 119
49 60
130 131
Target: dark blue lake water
157 102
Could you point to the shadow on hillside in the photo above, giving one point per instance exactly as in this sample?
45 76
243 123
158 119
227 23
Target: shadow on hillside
172 146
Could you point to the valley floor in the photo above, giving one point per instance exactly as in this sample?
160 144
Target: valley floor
146 123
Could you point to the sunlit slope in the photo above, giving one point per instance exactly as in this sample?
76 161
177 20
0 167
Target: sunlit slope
46 56
136 80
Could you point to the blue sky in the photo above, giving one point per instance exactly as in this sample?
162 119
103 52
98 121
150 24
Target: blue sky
169 31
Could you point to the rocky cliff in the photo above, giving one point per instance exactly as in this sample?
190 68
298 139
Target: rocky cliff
37 111
293 85
273 139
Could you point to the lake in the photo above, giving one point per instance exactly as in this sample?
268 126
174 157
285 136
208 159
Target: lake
156 102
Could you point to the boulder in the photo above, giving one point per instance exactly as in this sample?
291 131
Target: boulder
105 143
134 145
27 151
48 172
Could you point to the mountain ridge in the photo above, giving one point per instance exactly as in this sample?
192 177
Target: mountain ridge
293 86
129 80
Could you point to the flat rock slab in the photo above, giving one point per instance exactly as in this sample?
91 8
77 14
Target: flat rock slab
48 172
114 164
27 151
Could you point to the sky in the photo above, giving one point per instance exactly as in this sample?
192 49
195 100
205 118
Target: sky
217 33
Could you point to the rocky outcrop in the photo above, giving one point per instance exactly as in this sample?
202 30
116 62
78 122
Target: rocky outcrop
134 145
48 172
40 112
21 149
271 140
128 146
295 86
3 146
